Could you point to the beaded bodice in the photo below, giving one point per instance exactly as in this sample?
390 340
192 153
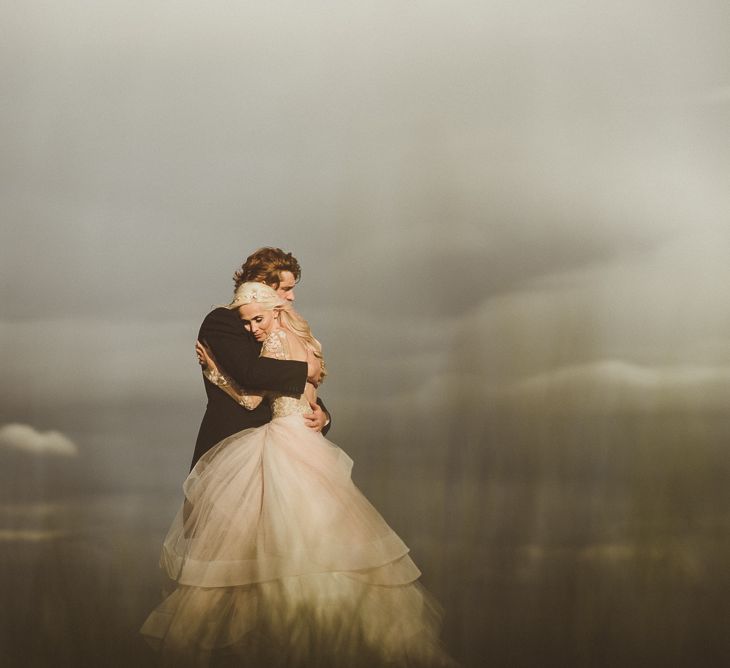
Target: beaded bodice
276 346
282 406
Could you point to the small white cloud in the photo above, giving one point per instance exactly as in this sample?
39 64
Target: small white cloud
24 438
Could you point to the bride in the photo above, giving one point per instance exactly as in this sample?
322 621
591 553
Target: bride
278 559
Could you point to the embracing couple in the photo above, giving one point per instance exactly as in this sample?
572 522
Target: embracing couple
277 557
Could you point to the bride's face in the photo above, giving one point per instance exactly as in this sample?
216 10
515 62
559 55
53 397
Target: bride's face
260 322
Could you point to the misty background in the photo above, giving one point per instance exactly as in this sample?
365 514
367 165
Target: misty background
512 219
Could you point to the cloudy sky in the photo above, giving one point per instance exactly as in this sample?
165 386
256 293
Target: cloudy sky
532 176
503 204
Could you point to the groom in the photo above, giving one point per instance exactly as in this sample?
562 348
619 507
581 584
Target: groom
237 352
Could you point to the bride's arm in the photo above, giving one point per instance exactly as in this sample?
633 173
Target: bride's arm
220 379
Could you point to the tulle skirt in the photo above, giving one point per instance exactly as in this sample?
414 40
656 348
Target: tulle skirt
279 560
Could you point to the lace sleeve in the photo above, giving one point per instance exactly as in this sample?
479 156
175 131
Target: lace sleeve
231 388
276 346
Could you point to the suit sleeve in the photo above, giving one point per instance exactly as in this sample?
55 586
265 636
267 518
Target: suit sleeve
326 428
238 354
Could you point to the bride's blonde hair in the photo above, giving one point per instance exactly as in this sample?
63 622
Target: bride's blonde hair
269 300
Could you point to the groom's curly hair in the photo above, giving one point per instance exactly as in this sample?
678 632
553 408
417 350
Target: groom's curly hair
265 266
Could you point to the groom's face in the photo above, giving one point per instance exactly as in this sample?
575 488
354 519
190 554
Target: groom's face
286 286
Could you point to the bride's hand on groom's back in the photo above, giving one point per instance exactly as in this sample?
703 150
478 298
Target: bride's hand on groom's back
203 354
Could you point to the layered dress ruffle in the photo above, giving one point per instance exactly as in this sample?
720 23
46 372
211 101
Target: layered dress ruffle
279 560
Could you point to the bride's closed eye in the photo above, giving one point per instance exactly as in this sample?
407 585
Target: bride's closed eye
247 323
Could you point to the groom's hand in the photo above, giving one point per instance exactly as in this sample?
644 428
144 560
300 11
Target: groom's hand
317 419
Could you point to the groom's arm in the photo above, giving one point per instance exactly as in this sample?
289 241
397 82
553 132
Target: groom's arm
328 424
238 354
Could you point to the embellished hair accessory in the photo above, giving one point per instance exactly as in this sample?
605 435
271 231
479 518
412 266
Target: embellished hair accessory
252 292
250 296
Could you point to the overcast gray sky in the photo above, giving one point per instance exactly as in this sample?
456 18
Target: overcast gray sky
483 175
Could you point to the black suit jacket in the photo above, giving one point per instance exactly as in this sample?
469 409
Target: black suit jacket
237 353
